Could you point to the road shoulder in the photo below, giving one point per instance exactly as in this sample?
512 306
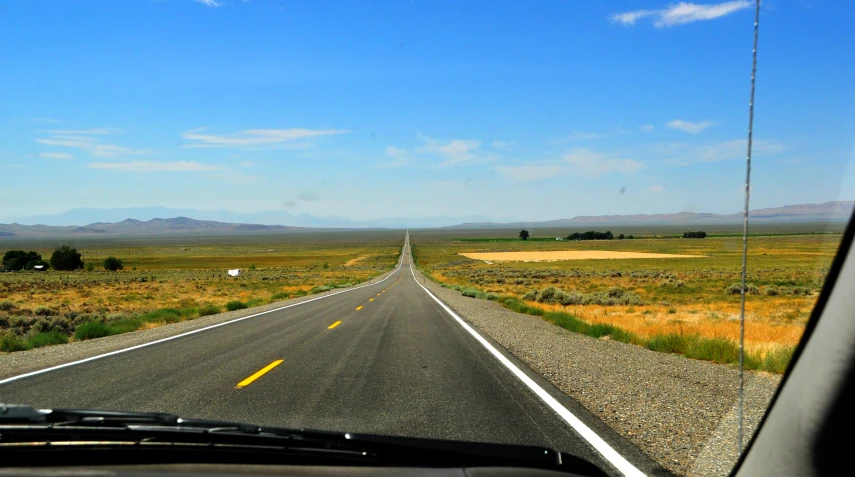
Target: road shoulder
672 408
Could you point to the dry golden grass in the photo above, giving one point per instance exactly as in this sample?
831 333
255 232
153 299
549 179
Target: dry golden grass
767 324
683 295
567 255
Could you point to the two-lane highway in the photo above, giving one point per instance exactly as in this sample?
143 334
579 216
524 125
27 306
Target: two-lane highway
386 358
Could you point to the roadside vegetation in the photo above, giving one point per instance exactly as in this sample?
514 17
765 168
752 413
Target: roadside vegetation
160 283
684 306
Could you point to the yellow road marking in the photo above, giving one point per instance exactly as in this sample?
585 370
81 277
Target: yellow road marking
260 373
358 307
371 299
334 325
378 294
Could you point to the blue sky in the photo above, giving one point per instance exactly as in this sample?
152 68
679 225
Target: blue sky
524 110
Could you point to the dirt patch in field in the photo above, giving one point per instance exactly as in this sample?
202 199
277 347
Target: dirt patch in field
568 255
354 261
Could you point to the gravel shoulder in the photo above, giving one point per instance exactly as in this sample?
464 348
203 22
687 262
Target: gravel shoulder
680 412
21 362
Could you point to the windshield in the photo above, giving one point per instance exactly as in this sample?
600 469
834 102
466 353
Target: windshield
504 222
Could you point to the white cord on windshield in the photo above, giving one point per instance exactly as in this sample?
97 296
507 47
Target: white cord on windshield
745 227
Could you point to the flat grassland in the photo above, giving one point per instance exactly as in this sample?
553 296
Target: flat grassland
172 279
566 255
689 306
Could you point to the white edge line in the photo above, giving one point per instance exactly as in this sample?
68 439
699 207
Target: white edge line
597 442
150 343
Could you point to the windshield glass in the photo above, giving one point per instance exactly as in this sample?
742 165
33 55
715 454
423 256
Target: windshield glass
504 222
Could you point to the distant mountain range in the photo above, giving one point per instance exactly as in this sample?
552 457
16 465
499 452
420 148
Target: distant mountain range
177 225
278 217
828 212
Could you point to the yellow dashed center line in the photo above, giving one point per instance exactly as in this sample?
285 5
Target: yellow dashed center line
358 307
379 294
371 299
260 373
334 325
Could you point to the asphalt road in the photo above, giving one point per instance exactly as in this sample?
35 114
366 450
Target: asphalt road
385 359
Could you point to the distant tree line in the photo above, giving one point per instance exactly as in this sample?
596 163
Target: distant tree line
15 260
591 235
63 258
694 235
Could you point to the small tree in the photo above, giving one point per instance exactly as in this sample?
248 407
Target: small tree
113 264
524 234
66 258
14 260
620 237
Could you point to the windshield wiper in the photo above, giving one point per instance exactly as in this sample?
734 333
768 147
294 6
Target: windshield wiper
24 430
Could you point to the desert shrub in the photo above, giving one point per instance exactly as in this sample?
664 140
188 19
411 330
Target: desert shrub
235 305
20 324
209 310
492 296
43 325
254 301
91 330
7 305
43 311
46 338
736 289
320 289
280 296
771 291
610 297
10 342
112 264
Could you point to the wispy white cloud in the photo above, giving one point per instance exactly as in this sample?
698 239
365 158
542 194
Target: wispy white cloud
689 127
683 154
55 155
455 152
400 157
655 188
151 166
579 136
579 162
594 164
210 3
647 128
682 13
255 137
89 141
629 18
